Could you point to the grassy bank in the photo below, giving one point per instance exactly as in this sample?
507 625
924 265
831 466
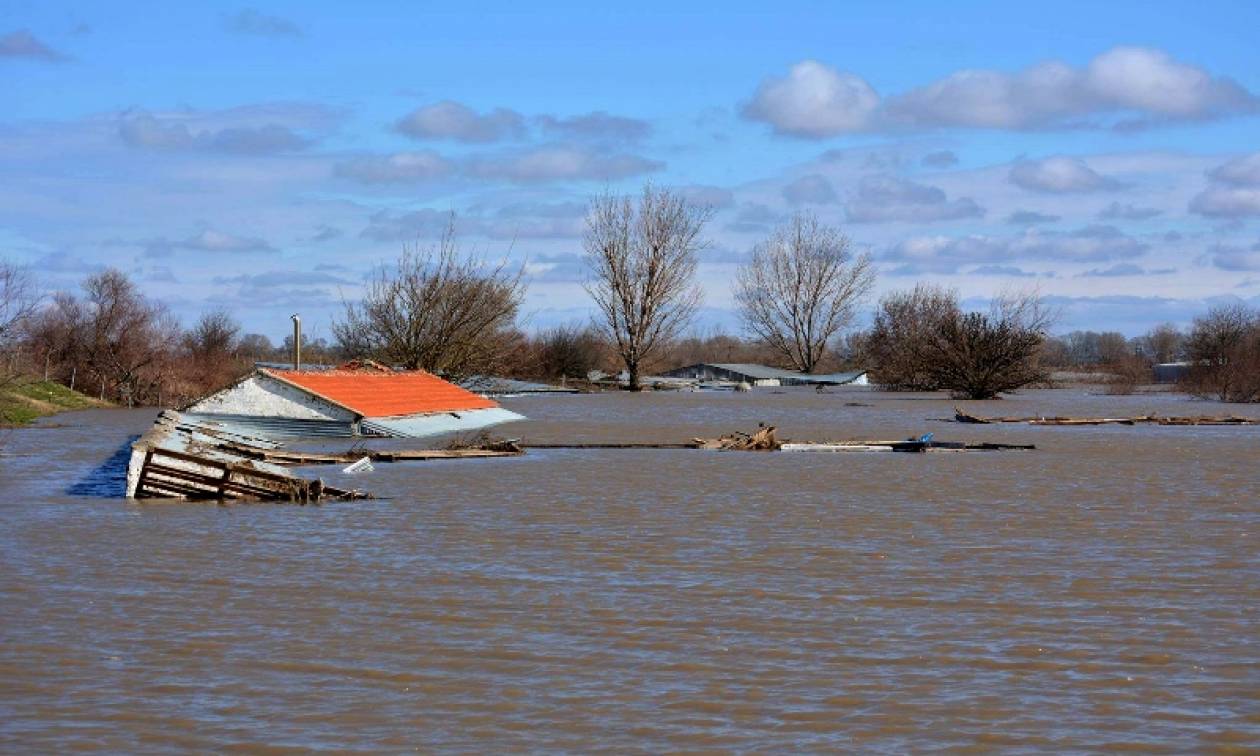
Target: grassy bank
26 401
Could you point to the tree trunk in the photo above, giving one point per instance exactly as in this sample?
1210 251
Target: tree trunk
633 370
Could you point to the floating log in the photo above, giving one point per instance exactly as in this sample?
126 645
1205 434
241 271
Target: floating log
963 417
902 446
765 439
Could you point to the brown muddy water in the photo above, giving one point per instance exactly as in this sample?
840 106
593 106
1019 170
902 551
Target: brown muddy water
1100 593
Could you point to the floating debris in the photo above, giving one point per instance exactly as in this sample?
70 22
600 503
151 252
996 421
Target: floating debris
963 417
362 466
764 439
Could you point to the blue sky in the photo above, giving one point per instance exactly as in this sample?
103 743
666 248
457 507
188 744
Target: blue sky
267 156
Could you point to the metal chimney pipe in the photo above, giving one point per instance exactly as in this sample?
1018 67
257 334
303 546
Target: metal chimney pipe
297 342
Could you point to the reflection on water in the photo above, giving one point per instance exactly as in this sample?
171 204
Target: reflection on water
1099 593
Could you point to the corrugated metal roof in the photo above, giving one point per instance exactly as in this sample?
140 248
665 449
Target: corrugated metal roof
378 394
419 426
753 370
837 378
489 385
271 427
764 372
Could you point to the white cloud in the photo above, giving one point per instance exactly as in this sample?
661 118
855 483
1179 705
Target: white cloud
1243 171
1124 87
1009 271
1122 270
386 225
401 167
880 199
207 240
812 189
253 130
814 100
1058 175
559 162
945 254
708 196
537 220
596 125
1149 81
1233 258
250 21
1227 202
1234 191
1126 211
458 122
753 217
1141 83
1029 217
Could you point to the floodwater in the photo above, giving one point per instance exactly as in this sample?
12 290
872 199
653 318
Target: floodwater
1100 593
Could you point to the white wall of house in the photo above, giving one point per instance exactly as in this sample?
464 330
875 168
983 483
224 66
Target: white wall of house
263 396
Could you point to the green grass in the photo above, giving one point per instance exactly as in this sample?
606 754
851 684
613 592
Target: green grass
25 401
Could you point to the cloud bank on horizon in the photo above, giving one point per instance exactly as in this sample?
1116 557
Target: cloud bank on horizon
278 154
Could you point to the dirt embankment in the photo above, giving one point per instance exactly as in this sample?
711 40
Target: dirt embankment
26 401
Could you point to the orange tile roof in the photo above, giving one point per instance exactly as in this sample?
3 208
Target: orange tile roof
377 394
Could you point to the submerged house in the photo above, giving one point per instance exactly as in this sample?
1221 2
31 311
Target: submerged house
762 375
356 399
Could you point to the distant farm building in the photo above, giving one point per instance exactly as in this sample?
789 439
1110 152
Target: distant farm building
357 399
1171 372
761 375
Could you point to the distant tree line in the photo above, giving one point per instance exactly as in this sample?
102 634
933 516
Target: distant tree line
111 341
455 313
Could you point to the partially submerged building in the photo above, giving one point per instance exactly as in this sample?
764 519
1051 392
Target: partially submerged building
1172 372
762 375
356 399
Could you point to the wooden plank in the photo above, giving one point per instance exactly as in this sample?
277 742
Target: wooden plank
211 484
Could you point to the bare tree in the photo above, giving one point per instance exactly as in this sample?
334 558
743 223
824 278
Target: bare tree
1164 342
437 310
642 259
127 340
17 305
801 287
212 347
1224 352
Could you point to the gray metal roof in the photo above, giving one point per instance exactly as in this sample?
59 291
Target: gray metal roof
765 372
752 370
747 369
492 386
837 378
